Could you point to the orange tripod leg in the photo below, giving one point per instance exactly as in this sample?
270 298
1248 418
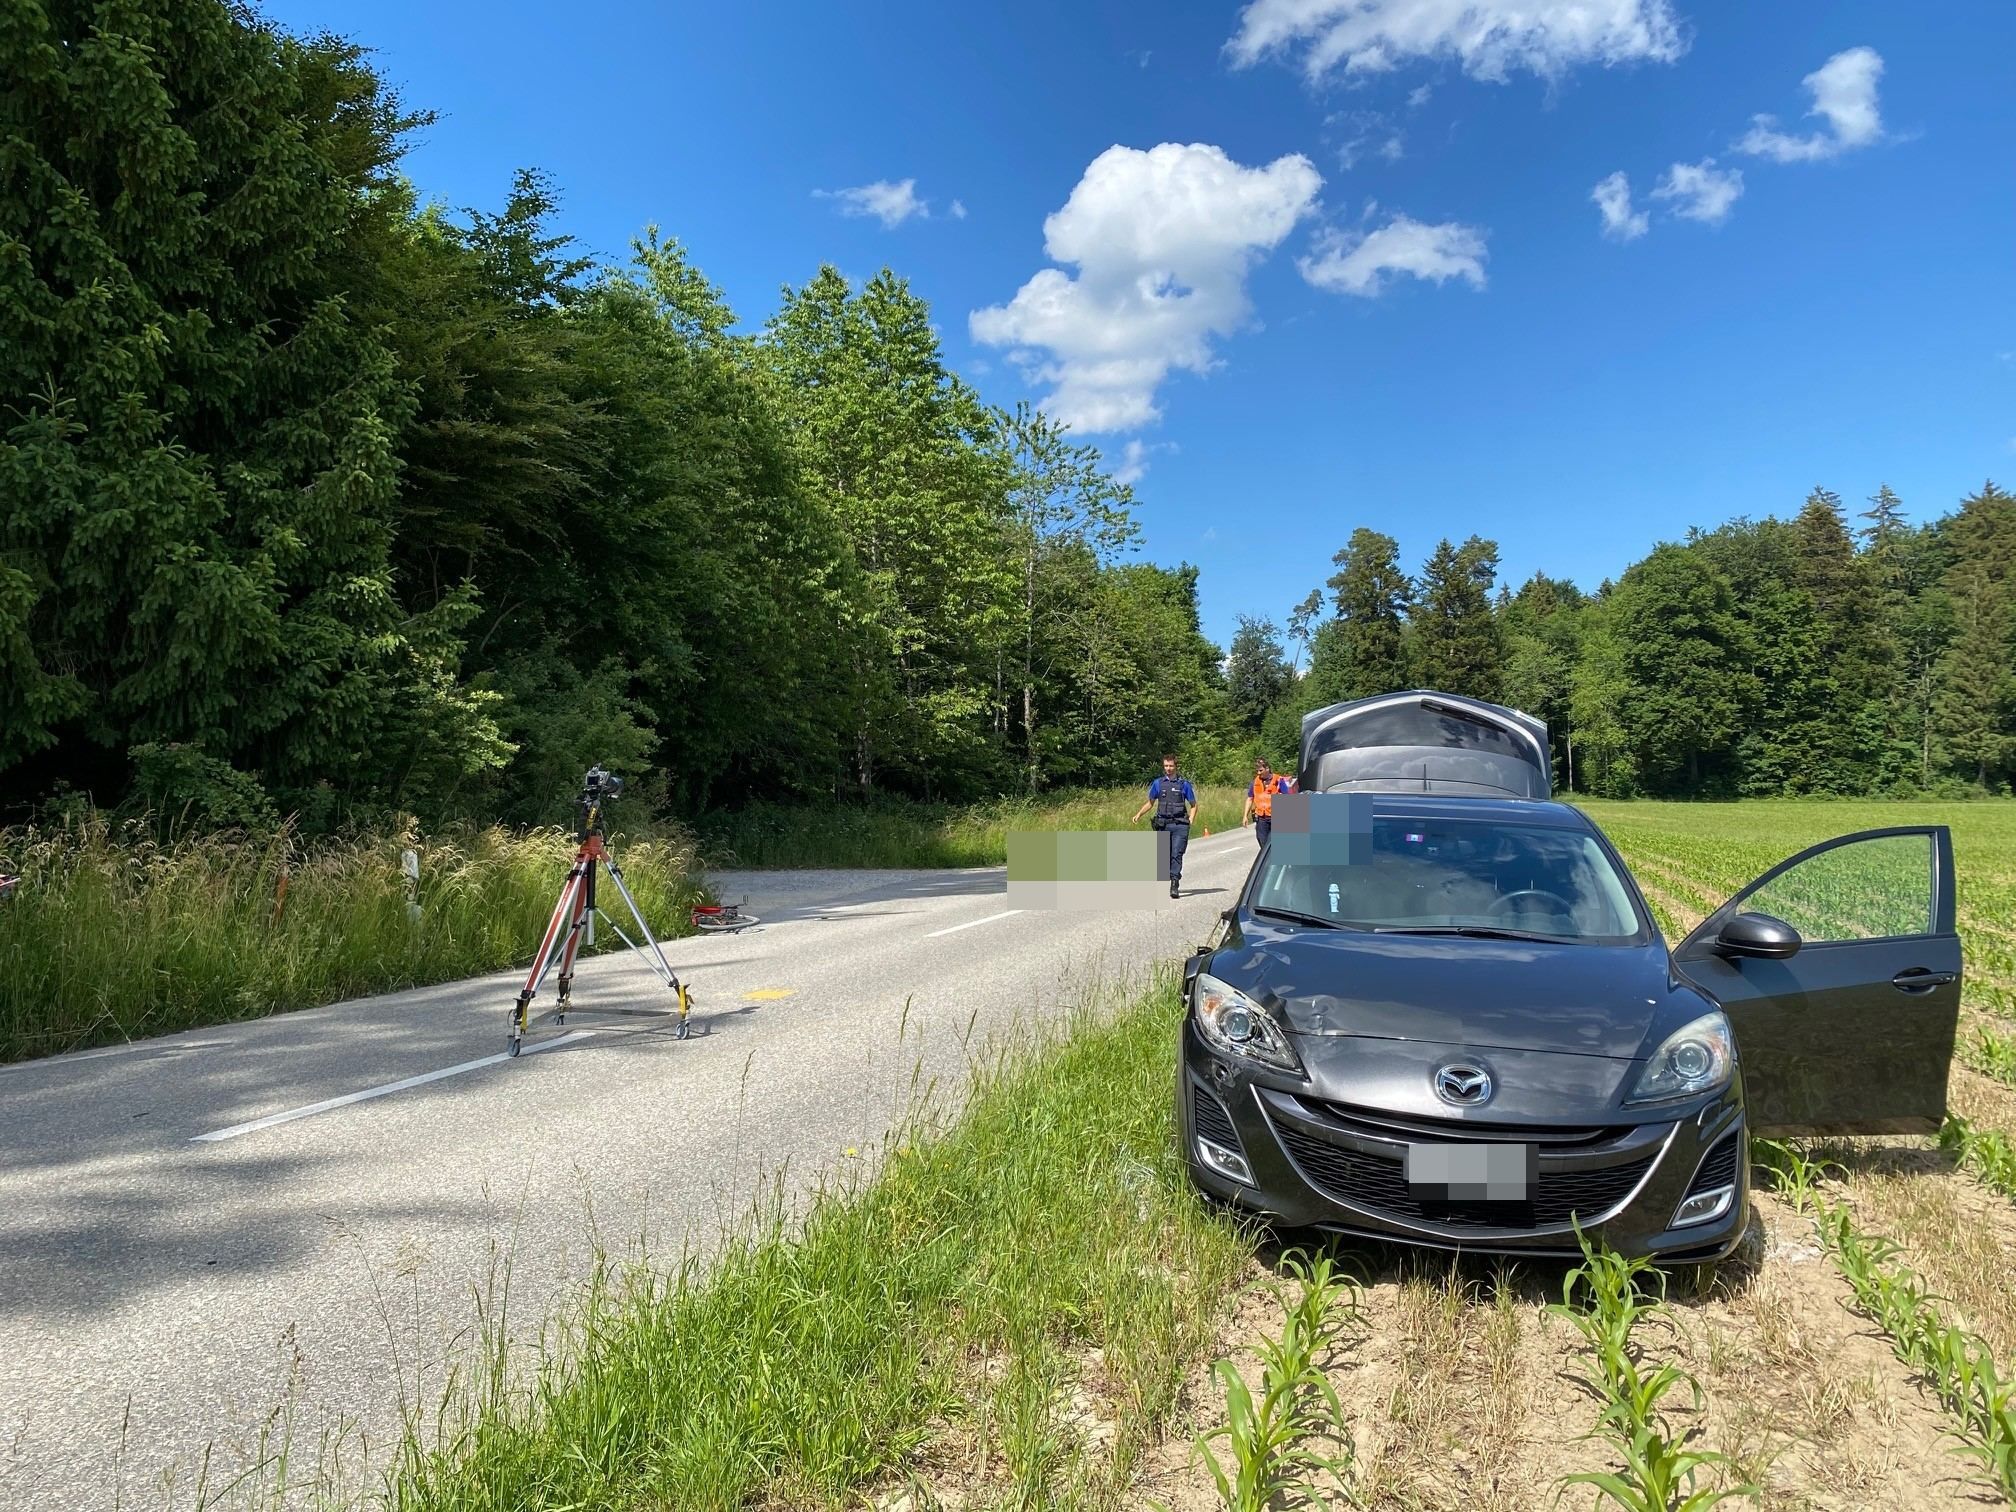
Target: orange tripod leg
566 910
575 930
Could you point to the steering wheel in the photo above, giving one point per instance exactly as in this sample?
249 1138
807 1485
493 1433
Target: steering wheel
1564 906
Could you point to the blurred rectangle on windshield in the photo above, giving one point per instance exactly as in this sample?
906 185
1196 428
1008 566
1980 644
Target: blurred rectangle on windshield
1321 829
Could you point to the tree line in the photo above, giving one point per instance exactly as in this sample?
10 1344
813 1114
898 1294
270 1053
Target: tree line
319 500
1813 655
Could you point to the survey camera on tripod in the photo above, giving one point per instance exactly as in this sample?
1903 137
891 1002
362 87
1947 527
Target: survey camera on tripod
573 922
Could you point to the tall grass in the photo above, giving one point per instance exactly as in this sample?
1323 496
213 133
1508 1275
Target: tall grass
892 833
1044 1249
114 935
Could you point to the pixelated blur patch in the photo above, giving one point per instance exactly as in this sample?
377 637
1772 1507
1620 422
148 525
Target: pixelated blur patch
1087 869
1322 829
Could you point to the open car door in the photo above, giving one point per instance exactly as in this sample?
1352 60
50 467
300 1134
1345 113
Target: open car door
1848 1027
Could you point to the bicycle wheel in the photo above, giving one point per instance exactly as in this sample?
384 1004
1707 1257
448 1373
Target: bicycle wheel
724 922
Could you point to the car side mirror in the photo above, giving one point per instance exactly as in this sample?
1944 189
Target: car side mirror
1758 935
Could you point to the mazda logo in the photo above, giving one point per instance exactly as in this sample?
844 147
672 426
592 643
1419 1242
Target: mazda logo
1463 1084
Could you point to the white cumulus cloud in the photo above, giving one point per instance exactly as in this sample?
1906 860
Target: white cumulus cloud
1357 262
1163 241
1844 95
1490 38
1701 191
890 203
1613 198
1133 463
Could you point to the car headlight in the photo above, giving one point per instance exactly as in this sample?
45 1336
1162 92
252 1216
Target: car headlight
1231 1021
1696 1057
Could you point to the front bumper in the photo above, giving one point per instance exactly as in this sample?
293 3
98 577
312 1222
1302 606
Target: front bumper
1322 1165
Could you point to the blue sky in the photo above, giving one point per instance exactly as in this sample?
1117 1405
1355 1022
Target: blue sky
1372 224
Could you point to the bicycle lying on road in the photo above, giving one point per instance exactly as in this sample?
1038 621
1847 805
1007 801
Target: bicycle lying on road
721 918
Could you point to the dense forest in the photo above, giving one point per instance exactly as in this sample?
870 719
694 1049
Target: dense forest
319 500
1784 657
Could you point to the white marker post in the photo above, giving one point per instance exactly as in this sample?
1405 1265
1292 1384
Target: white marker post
409 863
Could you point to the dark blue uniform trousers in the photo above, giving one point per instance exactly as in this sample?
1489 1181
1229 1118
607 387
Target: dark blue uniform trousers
1179 840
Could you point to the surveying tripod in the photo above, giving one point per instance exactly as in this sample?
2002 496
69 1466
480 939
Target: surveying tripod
574 918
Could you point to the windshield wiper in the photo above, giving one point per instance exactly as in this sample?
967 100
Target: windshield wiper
1302 918
1480 931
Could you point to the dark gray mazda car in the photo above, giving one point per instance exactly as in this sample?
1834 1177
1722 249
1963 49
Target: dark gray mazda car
1469 1032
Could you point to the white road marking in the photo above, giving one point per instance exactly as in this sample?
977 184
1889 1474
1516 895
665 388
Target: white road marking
971 924
161 1046
399 1086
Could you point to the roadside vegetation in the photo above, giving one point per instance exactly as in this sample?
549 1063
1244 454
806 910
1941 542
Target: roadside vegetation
115 934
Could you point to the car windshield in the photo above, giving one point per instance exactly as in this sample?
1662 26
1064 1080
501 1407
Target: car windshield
1441 874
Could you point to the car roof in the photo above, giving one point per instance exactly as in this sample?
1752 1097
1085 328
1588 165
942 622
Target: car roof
1534 811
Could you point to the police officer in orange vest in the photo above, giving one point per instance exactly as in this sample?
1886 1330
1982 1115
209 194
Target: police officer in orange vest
1260 799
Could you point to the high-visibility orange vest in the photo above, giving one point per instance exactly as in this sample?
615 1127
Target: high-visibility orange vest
1263 795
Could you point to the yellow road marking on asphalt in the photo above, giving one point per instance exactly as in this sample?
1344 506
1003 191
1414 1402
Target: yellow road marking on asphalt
767 994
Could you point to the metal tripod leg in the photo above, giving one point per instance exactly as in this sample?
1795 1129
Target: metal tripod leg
582 926
656 958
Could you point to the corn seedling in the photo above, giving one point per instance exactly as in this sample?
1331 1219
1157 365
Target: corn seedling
1659 1469
1269 1439
1794 1174
1986 1152
1992 1054
1956 1365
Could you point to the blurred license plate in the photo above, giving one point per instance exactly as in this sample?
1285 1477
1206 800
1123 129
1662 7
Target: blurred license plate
1472 1172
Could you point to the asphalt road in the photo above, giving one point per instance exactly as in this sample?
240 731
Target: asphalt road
162 1293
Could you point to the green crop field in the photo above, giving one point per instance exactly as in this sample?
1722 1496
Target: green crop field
1691 856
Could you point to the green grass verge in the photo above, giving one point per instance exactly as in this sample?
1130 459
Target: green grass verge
890 833
114 936
942 1312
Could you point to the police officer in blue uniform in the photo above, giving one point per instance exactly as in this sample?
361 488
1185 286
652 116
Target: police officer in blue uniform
1175 803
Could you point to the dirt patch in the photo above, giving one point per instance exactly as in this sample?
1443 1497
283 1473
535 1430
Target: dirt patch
1981 1099
1959 1235
1806 1396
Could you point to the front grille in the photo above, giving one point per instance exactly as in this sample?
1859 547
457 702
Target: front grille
1719 1169
1211 1121
1380 1184
1376 1123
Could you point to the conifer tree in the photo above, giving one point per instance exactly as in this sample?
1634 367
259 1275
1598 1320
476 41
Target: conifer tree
1372 598
1457 645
